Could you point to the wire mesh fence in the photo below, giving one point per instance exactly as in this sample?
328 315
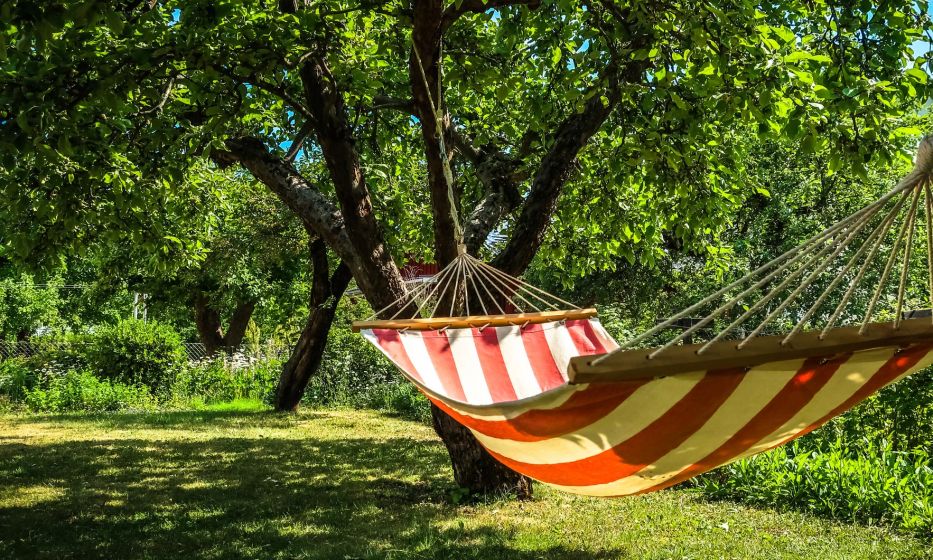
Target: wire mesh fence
195 351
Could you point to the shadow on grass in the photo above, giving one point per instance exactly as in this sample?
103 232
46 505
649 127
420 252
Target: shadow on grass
251 497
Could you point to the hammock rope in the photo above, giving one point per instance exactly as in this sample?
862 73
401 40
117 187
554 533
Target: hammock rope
489 287
816 256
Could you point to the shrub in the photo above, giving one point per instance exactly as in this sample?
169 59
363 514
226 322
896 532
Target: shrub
62 352
351 368
137 353
227 379
398 398
16 377
870 483
82 391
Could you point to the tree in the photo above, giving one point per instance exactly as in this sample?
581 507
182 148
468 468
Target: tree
25 306
254 250
589 130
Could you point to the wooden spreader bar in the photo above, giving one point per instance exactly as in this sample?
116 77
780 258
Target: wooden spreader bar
475 320
635 364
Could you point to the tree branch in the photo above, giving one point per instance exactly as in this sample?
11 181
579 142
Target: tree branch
306 129
457 9
555 168
303 198
406 106
500 175
274 89
157 108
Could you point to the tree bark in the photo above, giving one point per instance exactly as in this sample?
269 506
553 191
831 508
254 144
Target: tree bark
239 321
474 468
210 329
326 291
207 322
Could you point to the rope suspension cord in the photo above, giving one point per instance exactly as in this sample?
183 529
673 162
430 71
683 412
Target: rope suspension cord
455 267
807 282
856 281
906 265
817 254
929 216
769 296
795 253
887 268
733 301
466 273
881 228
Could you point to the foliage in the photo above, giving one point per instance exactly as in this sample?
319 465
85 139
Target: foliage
25 307
397 398
869 483
900 414
16 378
83 391
134 97
136 352
226 378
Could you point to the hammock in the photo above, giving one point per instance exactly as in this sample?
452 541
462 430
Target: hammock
549 393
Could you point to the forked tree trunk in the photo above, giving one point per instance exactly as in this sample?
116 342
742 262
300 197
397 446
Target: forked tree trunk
326 291
207 322
210 327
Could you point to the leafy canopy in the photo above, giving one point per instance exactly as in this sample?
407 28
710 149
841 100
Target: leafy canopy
109 110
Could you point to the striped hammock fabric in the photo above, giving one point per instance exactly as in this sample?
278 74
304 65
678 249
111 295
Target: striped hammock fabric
509 386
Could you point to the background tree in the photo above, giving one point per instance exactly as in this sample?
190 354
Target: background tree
578 132
26 306
253 253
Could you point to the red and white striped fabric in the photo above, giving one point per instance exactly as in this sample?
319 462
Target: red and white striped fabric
508 385
492 365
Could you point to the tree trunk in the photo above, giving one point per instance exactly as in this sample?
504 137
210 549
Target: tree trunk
207 321
305 358
474 468
210 328
236 330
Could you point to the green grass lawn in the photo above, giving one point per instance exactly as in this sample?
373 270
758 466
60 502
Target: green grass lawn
240 483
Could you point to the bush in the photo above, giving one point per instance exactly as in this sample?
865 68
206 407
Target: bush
82 391
399 398
59 352
901 414
351 368
137 353
227 379
870 483
16 377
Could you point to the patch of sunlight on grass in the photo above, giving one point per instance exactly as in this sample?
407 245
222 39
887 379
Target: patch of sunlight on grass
28 496
325 484
237 405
